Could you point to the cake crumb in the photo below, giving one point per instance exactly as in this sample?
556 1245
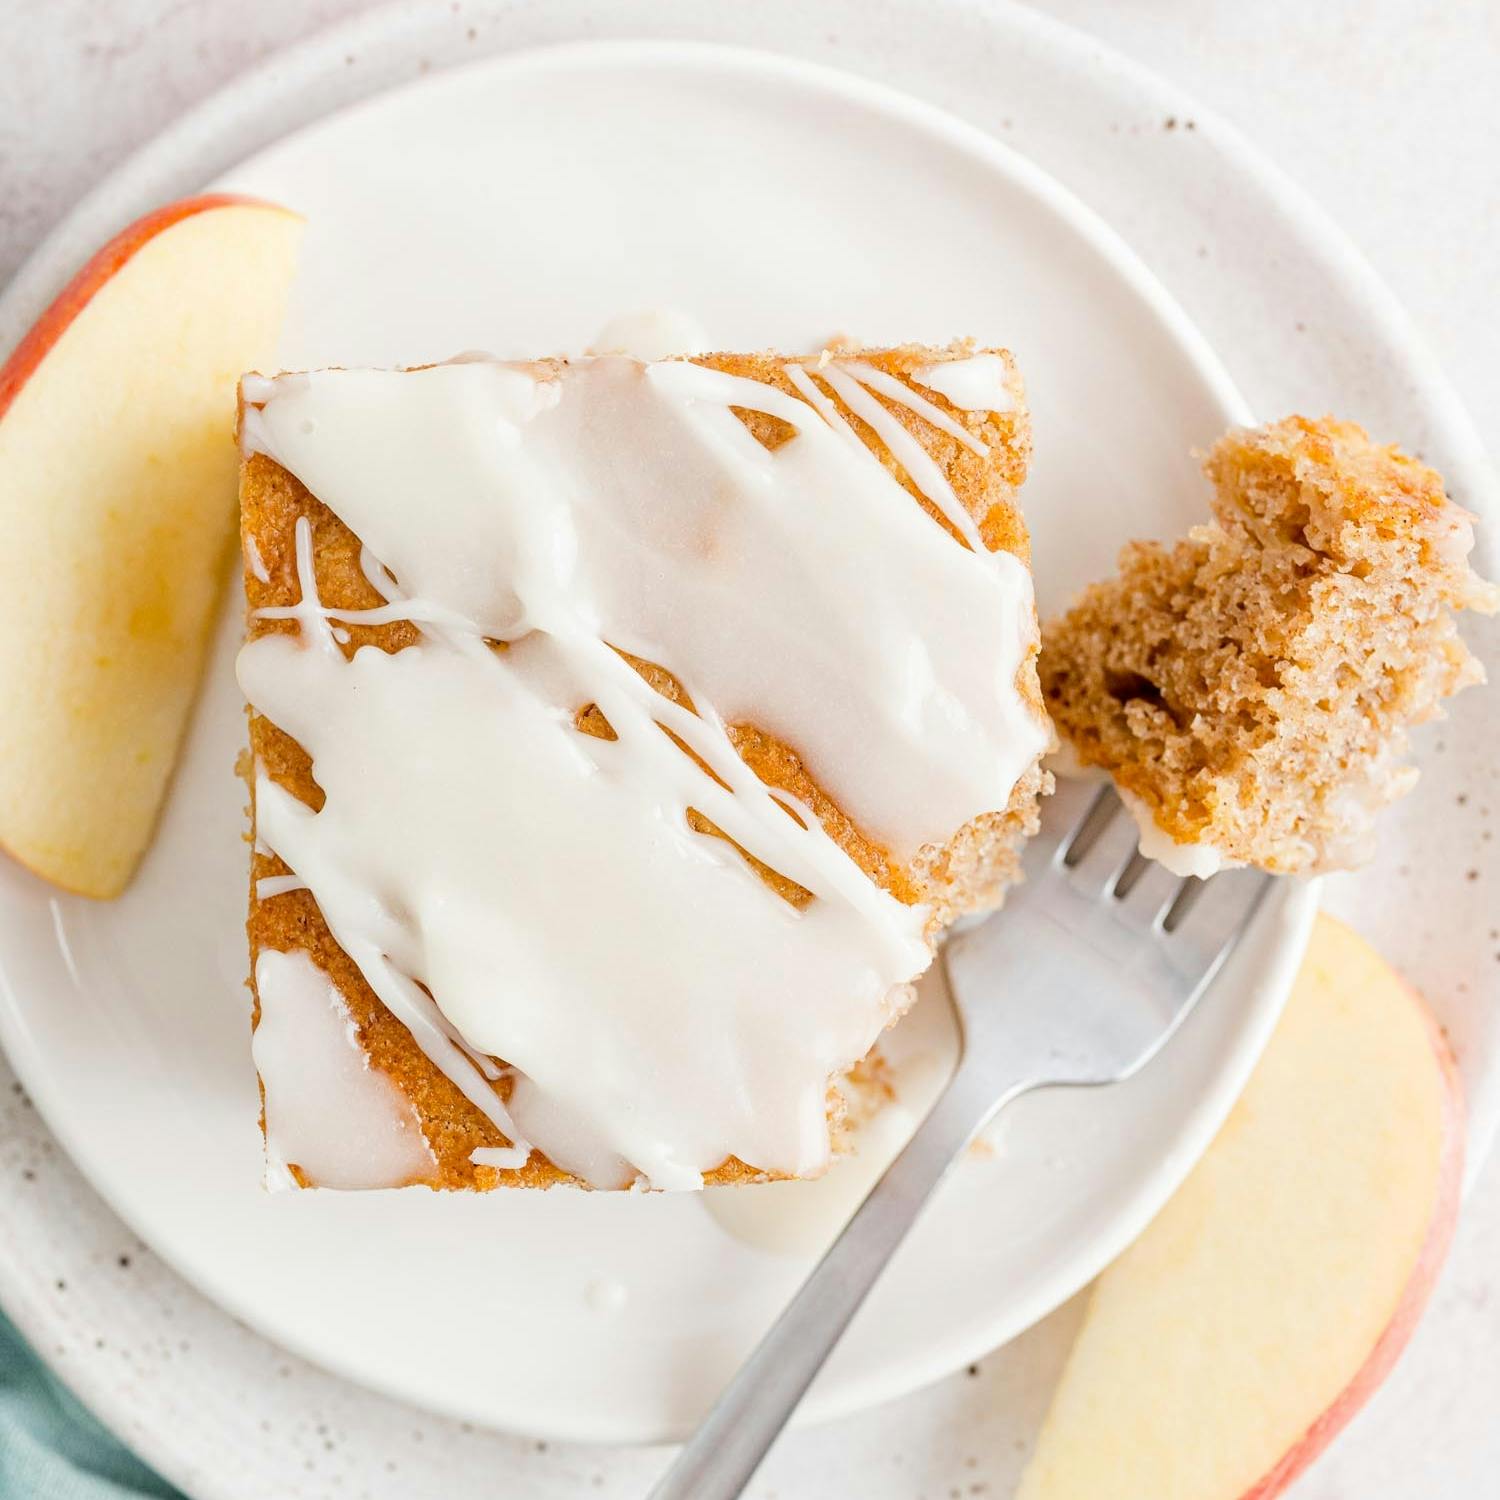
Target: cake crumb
1254 683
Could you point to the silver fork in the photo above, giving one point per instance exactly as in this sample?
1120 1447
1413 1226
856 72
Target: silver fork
1091 966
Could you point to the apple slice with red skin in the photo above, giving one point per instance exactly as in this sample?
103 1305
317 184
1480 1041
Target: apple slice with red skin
1271 1297
117 501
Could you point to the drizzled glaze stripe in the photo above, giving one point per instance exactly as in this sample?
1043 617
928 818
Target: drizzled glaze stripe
906 450
903 395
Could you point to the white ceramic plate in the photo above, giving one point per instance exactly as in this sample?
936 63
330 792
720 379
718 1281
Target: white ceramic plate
218 1408
777 203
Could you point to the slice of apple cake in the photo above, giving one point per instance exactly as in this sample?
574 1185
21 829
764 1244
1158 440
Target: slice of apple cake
623 734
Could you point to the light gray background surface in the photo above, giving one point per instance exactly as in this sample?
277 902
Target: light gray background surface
1388 111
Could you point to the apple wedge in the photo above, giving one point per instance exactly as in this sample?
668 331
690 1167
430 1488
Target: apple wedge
1222 1352
117 497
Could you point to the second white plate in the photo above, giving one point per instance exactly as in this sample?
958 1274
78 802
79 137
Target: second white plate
778 204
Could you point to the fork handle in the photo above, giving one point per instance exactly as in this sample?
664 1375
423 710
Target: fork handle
722 1455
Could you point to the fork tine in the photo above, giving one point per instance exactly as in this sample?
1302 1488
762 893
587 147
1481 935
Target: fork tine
1182 903
1104 846
1102 805
1136 869
1153 893
1218 911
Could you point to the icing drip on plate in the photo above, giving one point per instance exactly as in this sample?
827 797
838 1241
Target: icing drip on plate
655 333
513 889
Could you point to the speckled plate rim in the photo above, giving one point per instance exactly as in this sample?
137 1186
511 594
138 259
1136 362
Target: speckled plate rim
177 160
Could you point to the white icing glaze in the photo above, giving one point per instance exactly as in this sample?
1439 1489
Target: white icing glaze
344 1123
1200 859
255 389
662 1009
977 383
256 562
653 334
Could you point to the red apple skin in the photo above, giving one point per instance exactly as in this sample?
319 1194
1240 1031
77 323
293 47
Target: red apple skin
1408 1313
94 273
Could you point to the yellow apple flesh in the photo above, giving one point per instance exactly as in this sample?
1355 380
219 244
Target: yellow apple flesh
1222 1352
117 499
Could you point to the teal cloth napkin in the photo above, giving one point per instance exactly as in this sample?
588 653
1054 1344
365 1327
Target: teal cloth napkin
50 1447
